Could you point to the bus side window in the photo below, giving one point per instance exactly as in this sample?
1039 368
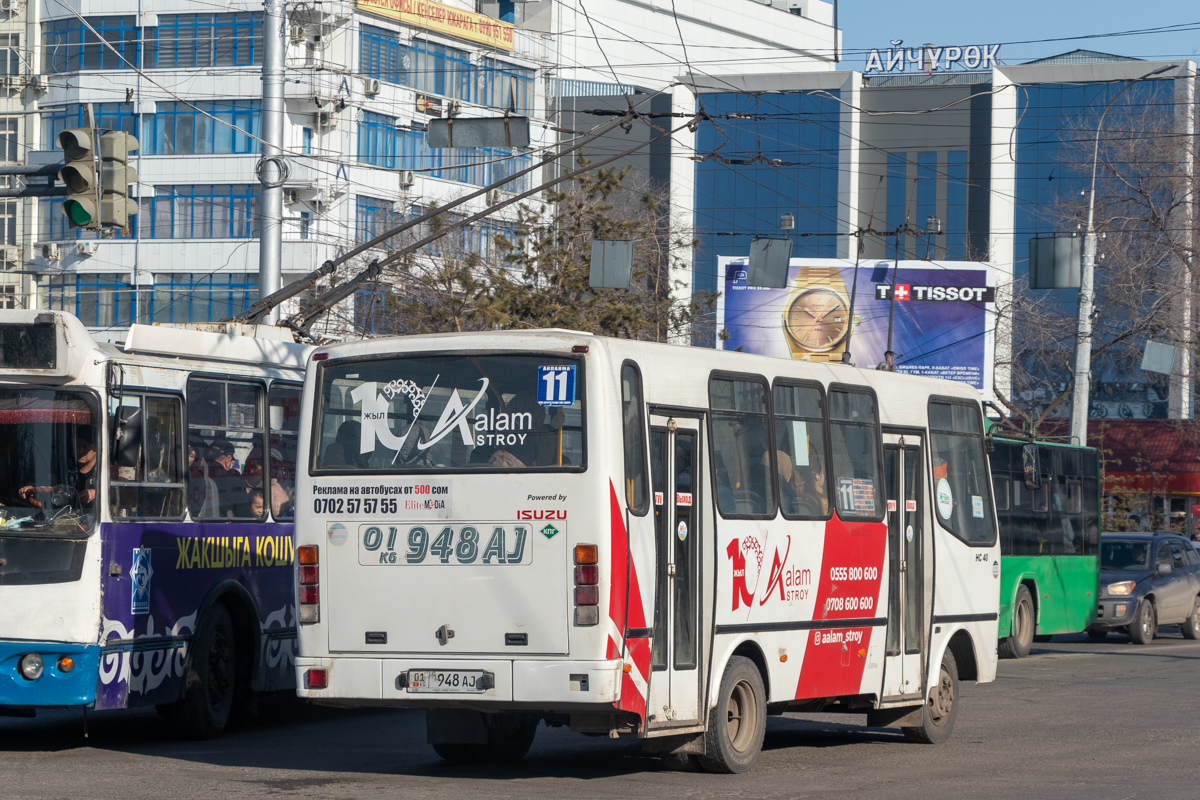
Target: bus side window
800 450
633 426
225 450
1000 485
741 448
285 428
146 475
961 494
854 440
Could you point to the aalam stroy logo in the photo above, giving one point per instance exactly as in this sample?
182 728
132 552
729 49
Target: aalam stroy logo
782 580
376 427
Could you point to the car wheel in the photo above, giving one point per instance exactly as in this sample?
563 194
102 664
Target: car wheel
1017 645
738 721
1098 635
1145 625
1190 628
941 708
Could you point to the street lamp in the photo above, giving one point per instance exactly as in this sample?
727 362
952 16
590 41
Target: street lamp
1083 334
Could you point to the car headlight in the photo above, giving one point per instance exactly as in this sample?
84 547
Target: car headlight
31 666
1121 587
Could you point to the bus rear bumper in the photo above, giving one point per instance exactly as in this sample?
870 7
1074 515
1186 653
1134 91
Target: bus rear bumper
56 686
547 684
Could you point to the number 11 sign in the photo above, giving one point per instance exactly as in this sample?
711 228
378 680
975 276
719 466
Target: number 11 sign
556 385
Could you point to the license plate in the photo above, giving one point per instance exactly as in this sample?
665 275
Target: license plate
444 680
461 544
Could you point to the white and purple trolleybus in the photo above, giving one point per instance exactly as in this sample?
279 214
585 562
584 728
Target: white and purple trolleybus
146 505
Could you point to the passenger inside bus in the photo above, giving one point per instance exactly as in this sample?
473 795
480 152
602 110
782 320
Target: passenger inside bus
541 446
203 501
253 476
343 452
222 468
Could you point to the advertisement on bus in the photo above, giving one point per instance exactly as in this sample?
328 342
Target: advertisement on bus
942 319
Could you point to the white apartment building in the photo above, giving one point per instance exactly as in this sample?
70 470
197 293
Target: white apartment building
364 78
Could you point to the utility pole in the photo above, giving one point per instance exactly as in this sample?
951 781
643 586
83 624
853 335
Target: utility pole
272 168
1083 333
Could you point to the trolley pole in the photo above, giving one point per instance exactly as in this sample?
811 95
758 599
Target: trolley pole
272 168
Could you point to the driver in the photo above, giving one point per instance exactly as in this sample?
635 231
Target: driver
82 481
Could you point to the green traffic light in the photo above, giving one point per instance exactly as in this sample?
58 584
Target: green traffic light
76 212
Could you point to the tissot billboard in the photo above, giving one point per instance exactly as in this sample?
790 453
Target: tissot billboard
943 325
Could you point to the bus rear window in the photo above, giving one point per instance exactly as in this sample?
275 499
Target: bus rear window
28 346
495 412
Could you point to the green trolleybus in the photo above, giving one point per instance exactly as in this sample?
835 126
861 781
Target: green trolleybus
1048 509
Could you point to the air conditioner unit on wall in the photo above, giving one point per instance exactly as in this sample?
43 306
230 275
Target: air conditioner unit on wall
10 254
493 197
50 252
407 178
295 33
11 6
86 248
371 86
326 120
453 108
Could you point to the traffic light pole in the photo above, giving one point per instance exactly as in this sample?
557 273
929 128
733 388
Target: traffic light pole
272 167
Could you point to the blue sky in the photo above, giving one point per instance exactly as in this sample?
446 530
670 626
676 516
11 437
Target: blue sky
874 23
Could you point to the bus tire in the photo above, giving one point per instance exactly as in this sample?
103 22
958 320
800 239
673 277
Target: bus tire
1017 645
941 707
510 735
738 722
1145 624
211 678
1190 628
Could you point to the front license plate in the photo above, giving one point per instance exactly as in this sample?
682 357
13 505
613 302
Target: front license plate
444 680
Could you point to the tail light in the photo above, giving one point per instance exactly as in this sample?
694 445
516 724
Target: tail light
587 592
316 679
308 592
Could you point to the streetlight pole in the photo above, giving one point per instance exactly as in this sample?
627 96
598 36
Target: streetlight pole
1083 334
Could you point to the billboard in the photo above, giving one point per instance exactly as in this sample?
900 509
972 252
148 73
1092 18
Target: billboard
943 317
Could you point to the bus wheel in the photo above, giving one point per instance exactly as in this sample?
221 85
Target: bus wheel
941 709
1017 645
1145 624
738 721
1191 627
510 735
210 680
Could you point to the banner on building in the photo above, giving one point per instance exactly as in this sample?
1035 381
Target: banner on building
444 19
943 327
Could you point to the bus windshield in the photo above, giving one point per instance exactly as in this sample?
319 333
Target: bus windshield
446 412
1125 555
48 461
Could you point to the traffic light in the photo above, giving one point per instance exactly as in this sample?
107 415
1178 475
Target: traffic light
79 174
115 176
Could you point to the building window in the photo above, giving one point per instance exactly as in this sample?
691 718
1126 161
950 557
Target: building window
201 212
377 139
306 140
8 139
112 116
448 71
10 54
187 297
380 55
8 221
8 297
479 166
184 129
956 205
372 216
927 179
305 222
897 193
205 40
68 45
100 300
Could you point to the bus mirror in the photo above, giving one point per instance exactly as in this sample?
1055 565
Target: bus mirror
1032 466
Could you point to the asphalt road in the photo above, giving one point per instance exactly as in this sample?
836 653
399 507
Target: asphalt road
1075 720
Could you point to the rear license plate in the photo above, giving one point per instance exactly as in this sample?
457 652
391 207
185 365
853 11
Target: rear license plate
444 680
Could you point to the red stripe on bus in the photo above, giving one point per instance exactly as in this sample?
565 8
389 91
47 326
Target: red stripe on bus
622 616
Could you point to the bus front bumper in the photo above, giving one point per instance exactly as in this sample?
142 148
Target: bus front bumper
56 686
543 684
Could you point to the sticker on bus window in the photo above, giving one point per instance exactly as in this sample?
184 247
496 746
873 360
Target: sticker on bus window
856 495
891 505
910 505
556 385
681 531
976 506
141 573
945 498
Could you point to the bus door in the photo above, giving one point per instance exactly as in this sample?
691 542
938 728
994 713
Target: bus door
677 474
908 541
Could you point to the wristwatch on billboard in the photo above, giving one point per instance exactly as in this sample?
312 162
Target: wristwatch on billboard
816 316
